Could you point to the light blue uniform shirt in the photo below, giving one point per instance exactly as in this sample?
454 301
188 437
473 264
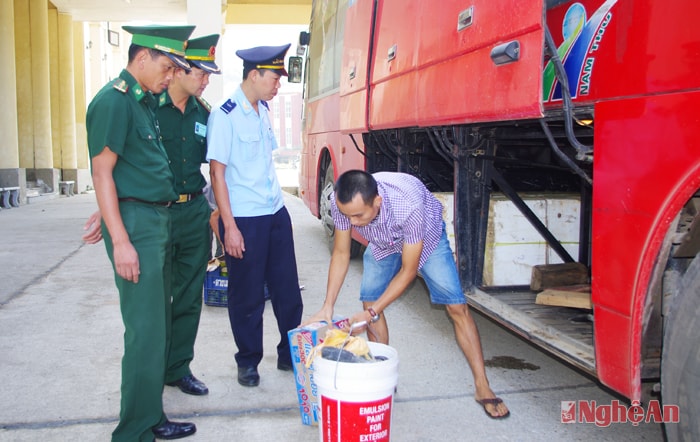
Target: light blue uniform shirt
243 141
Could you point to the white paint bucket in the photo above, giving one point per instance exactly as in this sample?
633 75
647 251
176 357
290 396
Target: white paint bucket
355 399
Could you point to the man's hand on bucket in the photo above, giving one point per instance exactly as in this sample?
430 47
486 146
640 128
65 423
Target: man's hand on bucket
323 315
358 323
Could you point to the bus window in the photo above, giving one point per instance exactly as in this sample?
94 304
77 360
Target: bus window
325 47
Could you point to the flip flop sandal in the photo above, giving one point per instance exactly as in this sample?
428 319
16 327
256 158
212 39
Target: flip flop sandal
492 401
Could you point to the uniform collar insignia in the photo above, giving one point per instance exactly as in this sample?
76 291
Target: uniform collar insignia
228 106
137 92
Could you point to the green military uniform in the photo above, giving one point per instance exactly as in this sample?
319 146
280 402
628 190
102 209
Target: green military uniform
184 135
122 118
184 138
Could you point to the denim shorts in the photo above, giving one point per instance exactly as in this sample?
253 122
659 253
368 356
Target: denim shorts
439 273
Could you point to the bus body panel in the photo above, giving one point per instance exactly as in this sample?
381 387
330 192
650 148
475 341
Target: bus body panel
396 39
354 76
440 75
352 121
387 106
642 180
492 22
510 91
356 42
321 124
344 155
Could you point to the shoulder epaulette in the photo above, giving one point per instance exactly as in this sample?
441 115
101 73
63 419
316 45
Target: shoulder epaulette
120 85
228 106
266 104
204 103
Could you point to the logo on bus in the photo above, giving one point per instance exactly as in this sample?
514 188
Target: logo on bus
582 37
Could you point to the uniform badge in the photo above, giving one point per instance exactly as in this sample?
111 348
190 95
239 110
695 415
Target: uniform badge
228 106
200 129
120 85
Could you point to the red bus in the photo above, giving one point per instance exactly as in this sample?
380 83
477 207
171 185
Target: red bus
582 111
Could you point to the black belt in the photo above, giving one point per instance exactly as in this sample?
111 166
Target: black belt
156 203
185 197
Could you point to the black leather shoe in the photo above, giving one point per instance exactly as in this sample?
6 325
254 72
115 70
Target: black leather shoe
174 430
284 366
248 376
190 385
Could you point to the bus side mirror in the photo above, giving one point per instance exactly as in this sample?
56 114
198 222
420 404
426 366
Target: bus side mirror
294 69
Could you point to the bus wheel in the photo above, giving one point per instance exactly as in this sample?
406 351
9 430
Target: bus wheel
324 208
680 365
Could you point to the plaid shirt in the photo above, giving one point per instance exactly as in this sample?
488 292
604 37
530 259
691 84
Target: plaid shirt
409 214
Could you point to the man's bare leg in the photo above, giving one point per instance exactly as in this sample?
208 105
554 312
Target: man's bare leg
469 341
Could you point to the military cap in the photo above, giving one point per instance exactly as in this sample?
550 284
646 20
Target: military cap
200 53
265 57
170 40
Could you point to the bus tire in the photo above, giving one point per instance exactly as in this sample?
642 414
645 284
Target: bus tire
324 208
680 364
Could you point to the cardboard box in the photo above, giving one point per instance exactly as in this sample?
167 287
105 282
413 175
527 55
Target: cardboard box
513 245
301 341
216 284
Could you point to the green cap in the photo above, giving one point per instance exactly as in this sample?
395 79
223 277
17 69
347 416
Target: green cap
171 40
200 53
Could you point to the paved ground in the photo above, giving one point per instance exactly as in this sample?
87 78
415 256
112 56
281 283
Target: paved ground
60 341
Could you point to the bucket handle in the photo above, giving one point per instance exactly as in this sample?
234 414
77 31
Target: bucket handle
354 325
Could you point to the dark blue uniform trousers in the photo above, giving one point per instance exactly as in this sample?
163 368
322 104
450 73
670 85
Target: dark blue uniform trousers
268 257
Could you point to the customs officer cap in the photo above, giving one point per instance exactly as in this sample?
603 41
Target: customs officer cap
200 53
170 40
265 57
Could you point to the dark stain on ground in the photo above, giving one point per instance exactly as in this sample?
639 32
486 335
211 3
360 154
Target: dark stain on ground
510 362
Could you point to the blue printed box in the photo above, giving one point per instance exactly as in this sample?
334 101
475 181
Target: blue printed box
301 341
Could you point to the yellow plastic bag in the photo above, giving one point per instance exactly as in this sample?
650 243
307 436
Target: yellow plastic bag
341 339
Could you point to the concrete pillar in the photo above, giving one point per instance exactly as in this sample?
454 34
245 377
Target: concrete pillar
9 155
55 88
23 63
41 84
208 16
66 62
11 175
83 179
32 57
